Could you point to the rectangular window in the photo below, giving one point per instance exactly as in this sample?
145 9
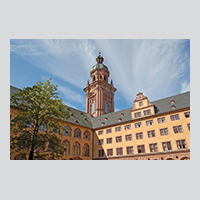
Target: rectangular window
149 123
109 140
100 132
141 149
174 117
153 147
109 130
140 103
138 114
101 142
166 146
119 151
151 133
164 131
139 136
129 150
188 127
128 137
178 129
181 144
161 120
127 127
101 153
147 112
187 114
118 139
137 125
109 152
117 129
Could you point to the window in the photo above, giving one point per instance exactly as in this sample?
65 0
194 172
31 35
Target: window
128 137
161 120
105 118
164 131
66 146
102 123
118 138
86 135
101 153
104 78
147 112
77 133
55 131
119 151
67 131
137 125
109 140
140 103
129 150
172 101
138 114
122 114
149 123
153 147
92 108
181 144
174 117
106 108
166 146
173 107
42 127
100 132
151 133
127 127
187 114
141 149
178 129
188 127
101 142
93 78
109 152
117 129
86 150
76 149
109 130
119 120
139 136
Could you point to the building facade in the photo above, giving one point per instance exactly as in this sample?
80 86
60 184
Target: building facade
158 130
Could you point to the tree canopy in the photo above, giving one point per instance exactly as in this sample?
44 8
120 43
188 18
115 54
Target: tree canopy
41 113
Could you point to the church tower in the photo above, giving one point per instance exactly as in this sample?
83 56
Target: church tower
99 93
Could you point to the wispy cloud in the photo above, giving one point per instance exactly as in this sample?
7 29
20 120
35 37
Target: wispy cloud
185 86
70 94
154 67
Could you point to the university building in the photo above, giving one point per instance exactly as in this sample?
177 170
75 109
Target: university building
158 130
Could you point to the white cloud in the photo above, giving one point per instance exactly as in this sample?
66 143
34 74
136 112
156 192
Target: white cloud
70 94
154 67
185 86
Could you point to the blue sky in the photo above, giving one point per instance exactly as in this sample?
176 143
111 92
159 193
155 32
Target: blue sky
158 68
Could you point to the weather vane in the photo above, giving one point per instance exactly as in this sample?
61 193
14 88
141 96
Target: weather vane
99 51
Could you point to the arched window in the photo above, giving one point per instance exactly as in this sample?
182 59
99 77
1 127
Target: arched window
92 108
67 132
66 146
86 135
93 78
106 108
77 133
86 150
76 149
105 78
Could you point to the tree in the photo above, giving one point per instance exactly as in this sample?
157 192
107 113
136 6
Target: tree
41 113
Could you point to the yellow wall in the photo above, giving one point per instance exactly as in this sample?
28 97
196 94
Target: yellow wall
145 141
71 139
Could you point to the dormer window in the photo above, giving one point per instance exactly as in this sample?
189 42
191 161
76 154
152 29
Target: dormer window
172 101
105 118
102 124
140 103
122 114
119 120
173 107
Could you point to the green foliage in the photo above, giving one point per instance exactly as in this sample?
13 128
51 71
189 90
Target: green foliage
39 107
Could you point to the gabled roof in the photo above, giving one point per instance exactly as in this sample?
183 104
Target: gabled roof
87 120
161 106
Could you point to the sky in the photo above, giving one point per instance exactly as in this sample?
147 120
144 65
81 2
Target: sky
157 67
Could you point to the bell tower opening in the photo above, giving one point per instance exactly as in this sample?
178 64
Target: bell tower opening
99 93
